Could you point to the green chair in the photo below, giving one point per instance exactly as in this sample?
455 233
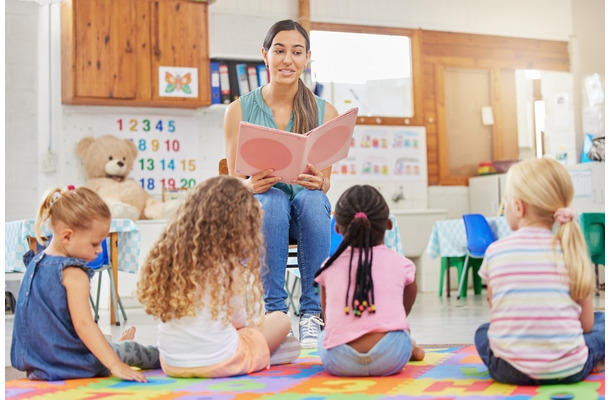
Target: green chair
446 264
593 228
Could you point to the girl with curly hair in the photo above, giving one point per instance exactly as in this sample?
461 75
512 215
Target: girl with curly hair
202 280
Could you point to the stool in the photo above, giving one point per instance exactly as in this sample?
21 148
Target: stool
446 263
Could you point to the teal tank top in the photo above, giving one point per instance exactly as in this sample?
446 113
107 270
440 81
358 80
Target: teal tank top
255 111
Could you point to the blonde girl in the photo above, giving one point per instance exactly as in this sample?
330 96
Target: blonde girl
55 336
542 329
202 281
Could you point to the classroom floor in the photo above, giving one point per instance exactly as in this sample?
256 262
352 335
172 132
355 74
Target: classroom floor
434 320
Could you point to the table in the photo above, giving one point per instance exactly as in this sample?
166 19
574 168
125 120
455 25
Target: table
448 238
124 247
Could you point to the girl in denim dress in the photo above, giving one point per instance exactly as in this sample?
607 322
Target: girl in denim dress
55 336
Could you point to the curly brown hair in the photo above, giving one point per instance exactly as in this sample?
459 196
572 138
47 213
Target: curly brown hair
209 252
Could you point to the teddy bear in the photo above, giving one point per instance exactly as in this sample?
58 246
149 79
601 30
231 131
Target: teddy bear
107 161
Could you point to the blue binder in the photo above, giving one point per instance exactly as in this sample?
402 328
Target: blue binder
242 78
215 82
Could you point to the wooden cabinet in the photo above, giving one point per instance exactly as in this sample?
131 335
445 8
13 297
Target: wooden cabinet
112 51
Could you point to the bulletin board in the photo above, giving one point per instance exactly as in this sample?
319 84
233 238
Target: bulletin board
167 148
385 153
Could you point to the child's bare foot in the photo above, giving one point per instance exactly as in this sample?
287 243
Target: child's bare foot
128 334
417 354
600 366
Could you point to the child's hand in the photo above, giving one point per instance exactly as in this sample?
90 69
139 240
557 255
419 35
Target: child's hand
124 371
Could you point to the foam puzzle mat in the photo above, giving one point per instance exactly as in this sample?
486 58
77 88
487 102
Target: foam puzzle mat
445 374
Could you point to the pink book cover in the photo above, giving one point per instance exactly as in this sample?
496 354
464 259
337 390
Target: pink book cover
288 153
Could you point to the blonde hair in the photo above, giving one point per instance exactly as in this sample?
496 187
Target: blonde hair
545 185
209 252
76 208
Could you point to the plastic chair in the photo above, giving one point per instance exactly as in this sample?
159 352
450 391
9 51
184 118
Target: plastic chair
99 265
446 264
593 228
479 236
335 238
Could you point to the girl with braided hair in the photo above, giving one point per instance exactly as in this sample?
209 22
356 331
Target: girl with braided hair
366 291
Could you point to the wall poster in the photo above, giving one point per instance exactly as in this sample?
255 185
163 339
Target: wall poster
385 153
167 148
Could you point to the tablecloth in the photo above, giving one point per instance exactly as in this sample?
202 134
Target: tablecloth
448 237
16 243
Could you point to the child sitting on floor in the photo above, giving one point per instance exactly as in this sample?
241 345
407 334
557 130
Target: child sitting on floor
542 328
366 293
55 336
202 279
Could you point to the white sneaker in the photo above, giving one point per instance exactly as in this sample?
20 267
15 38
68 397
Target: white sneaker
287 352
309 330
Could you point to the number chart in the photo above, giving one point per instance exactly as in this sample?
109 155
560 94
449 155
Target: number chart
167 148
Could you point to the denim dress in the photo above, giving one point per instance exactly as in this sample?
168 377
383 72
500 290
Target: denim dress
45 343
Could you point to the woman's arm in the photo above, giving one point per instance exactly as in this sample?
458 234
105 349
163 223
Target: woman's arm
76 283
408 297
258 183
586 314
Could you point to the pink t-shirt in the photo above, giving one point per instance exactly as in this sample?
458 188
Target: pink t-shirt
391 274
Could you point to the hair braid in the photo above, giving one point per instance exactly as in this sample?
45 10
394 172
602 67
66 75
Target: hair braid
362 215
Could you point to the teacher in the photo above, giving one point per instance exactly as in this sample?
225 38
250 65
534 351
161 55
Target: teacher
292 212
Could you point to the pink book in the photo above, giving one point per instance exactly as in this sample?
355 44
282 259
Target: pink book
288 153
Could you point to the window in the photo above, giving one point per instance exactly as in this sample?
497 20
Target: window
370 71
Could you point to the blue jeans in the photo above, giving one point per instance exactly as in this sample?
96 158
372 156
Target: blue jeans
502 371
388 357
306 220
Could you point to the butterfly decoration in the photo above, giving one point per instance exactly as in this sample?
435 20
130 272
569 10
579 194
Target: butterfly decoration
177 83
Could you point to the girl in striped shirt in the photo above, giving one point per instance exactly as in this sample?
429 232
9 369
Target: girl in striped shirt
542 327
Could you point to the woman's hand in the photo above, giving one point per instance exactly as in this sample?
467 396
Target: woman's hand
314 181
261 182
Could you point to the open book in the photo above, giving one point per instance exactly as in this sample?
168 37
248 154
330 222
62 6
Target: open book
260 148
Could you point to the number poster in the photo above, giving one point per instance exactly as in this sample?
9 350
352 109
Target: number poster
167 148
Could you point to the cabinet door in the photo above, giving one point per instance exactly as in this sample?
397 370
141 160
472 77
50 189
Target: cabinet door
178 36
104 59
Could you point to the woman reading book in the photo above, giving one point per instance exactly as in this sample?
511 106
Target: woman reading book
299 211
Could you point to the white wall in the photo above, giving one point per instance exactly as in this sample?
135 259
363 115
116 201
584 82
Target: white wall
237 29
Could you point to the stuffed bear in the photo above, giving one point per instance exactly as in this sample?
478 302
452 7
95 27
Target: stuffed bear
107 161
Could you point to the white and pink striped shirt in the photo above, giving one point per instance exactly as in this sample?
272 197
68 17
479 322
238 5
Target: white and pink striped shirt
535 325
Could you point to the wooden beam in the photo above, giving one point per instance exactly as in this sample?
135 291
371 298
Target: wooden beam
305 14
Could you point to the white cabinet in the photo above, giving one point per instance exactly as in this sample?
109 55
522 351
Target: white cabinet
485 194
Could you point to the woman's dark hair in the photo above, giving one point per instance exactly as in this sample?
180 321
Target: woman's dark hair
362 215
304 107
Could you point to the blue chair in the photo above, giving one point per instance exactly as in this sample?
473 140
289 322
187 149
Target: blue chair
335 238
99 265
479 236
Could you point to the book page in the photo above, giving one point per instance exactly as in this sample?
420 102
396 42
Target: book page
288 153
